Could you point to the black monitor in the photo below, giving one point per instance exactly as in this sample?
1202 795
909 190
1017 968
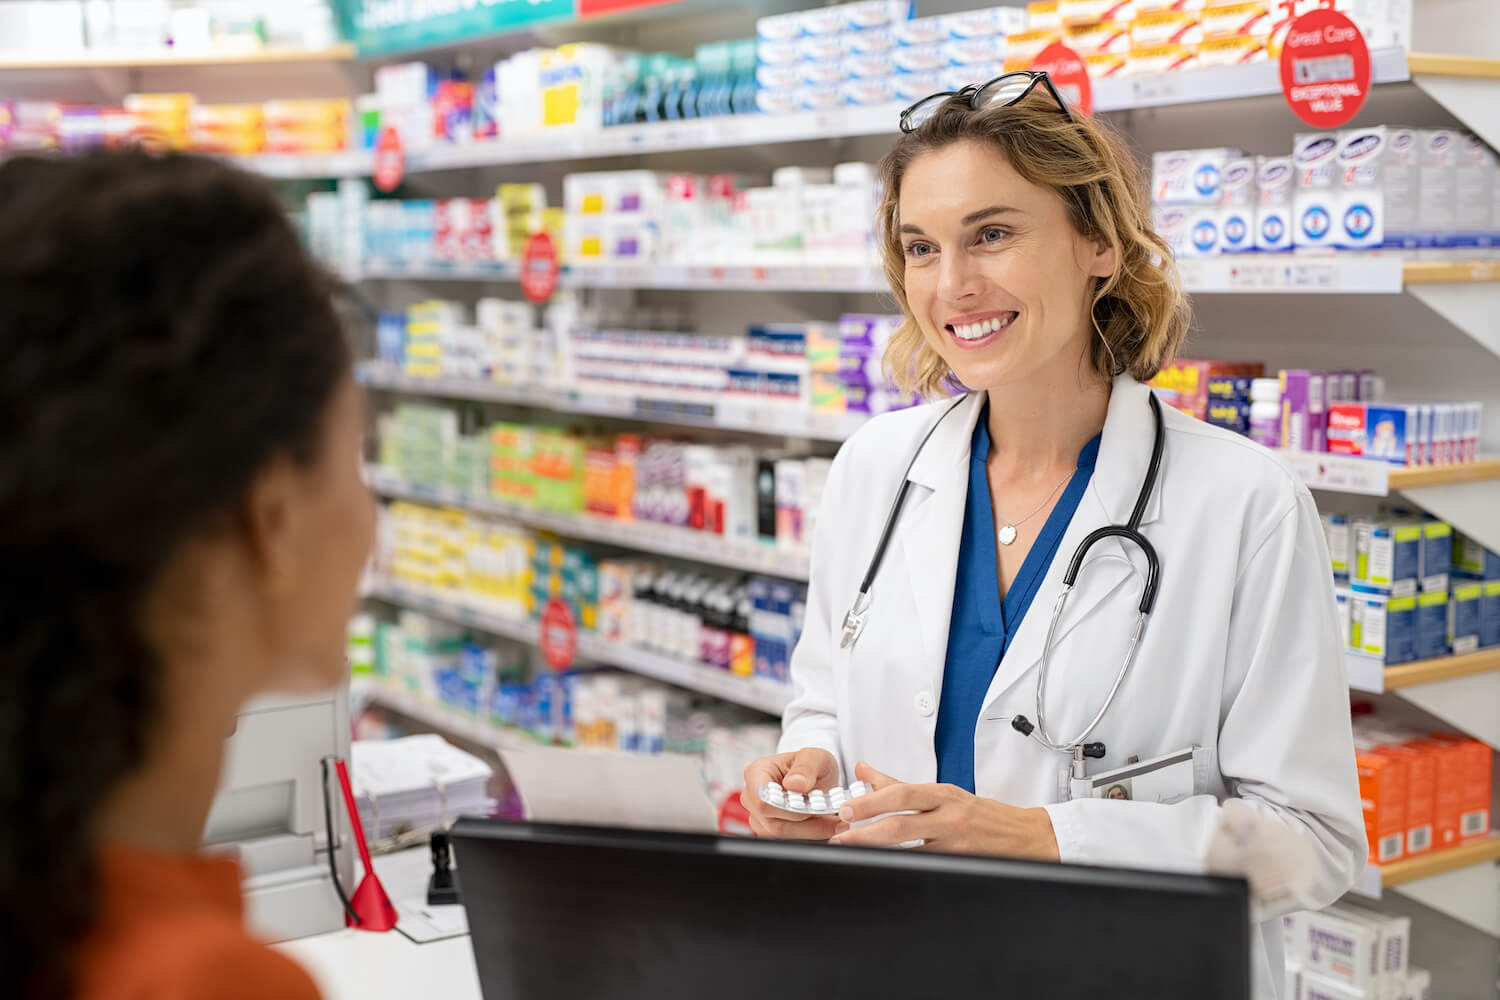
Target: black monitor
573 911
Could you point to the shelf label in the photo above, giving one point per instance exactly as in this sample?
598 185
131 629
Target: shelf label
1325 68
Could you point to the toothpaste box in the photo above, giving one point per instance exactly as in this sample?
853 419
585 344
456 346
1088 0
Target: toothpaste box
1474 183
1382 790
1103 64
1161 58
1489 615
1043 15
975 51
1089 38
1166 27
874 14
859 43
1437 201
1274 184
1232 50
1189 177
1304 412
908 87
921 31
866 91
1240 20
821 49
920 58
1465 604
1022 49
1085 11
959 77
1158 6
779 27
986 22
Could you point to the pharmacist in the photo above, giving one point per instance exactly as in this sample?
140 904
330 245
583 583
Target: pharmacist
1018 242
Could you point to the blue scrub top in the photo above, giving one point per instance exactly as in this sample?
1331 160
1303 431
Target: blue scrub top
982 625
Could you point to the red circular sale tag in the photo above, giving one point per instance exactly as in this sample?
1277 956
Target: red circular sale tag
539 268
1070 75
559 634
390 160
1325 68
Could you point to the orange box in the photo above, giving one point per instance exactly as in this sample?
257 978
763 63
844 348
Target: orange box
1474 799
1382 790
1450 763
1420 777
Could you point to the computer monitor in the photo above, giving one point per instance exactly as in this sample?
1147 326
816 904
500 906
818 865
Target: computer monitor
569 911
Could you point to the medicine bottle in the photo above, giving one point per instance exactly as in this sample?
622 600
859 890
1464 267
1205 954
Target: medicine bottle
1265 412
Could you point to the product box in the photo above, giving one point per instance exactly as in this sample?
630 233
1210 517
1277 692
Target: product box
1161 58
987 22
1022 49
1238 197
1373 430
1436 567
1085 11
1361 209
1166 27
1340 539
1189 177
1421 793
1089 38
1489 615
974 52
1105 64
1315 158
1043 15
1387 556
871 15
1437 202
1275 178
1432 625
1472 560
1474 804
1474 194
1232 50
1395 943
1343 949
1304 414
920 31
1383 791
1464 607
1383 627
1450 765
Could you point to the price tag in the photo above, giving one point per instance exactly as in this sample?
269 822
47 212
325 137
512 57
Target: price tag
1155 88
1314 276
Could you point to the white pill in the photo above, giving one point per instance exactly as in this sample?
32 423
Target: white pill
817 801
774 796
837 797
857 789
773 787
796 802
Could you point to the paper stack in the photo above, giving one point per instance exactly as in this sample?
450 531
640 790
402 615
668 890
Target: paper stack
416 784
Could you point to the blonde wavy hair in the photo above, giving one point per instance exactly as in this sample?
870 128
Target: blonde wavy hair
1140 313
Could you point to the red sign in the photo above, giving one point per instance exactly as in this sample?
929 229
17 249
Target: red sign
559 636
1070 75
1325 68
390 160
593 8
539 268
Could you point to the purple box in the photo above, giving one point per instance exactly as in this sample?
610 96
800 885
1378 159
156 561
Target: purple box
1304 410
869 331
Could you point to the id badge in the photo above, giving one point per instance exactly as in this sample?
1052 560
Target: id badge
1169 778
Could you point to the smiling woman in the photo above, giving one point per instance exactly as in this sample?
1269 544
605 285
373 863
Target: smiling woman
1183 648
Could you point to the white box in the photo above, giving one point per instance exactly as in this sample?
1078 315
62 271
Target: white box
1274 181
981 52
1315 204
1475 194
1237 227
985 22
1418 985
1189 176
1340 948
1378 180
1437 201
921 31
1203 235
1311 986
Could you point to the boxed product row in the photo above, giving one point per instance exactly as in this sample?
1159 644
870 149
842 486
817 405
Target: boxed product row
503 344
108 28
1351 952
176 121
1422 792
1357 189
810 215
1342 412
727 491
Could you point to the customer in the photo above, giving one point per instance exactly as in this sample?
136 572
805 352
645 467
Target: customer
182 526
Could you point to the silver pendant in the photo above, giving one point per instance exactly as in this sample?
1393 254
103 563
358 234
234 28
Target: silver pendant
1007 534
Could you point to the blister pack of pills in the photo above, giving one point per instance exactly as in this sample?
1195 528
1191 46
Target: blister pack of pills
815 803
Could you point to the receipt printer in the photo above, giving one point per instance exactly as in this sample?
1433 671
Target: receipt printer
269 811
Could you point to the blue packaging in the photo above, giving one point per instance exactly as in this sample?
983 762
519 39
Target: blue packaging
1432 626
1473 561
760 606
1387 557
486 107
1384 627
544 693
1465 608
782 597
1234 388
390 337
1437 556
1489 614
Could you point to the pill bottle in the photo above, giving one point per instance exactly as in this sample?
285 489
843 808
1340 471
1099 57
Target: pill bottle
1265 412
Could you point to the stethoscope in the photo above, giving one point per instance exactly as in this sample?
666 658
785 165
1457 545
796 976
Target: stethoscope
854 619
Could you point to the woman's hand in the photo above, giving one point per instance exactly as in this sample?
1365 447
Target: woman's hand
944 818
803 771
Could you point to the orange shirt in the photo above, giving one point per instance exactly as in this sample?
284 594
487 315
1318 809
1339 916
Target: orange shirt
171 927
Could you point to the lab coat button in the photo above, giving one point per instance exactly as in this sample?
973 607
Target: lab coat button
925 705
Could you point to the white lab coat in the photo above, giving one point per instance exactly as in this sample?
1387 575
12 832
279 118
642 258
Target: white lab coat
1242 655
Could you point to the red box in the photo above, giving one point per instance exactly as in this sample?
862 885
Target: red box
1382 790
1451 763
1421 824
1474 807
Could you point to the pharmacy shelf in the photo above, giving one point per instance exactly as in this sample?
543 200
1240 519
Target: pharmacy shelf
1369 674
1442 272
729 415
799 278
757 693
661 539
1374 878
1367 477
443 718
150 60
1219 83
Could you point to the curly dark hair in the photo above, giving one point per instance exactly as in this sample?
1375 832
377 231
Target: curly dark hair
163 335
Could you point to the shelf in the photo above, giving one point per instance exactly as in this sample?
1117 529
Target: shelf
1368 674
126 60
1432 64
1290 273
757 693
443 718
661 539
1374 878
1440 272
1368 477
769 419
1445 475
847 279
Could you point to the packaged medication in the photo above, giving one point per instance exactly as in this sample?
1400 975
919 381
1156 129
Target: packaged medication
1387 555
1437 556
1489 615
1437 204
1464 608
1231 50
1383 627
1089 38
1432 625
1316 200
1473 561
1189 177
1474 183
1237 201
1382 790
1361 208
1085 11
1275 179
1340 539
1373 430
1022 49
1304 415
1237 20
1166 27
1341 948
1044 15
1161 58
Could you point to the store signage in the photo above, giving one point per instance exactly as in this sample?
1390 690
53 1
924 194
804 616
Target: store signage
390 160
1069 75
539 268
383 27
559 634
1325 69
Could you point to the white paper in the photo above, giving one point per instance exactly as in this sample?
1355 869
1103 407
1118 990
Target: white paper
422 923
612 788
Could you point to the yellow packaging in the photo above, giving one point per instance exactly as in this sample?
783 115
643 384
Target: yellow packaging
172 105
1237 20
1098 37
1021 50
1162 58
1090 11
1231 51
1102 64
1171 27
1155 6
306 114
1043 16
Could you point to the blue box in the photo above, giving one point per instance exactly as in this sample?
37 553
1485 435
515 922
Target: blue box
1489 614
1473 561
1465 609
1432 625
1437 556
1385 627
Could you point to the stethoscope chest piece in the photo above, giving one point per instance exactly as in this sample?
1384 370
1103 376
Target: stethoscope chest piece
854 619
